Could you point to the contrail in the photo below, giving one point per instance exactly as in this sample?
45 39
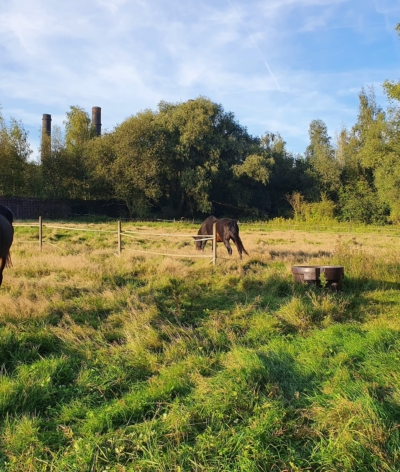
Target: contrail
258 49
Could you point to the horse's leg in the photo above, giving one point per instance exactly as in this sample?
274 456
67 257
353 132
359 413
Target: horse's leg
239 248
234 239
228 246
234 234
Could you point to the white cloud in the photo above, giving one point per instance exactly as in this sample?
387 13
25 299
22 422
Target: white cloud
254 58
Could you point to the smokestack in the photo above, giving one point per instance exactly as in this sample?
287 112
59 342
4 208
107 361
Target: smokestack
96 120
46 136
46 125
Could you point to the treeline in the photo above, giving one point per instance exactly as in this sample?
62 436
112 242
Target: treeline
194 158
183 159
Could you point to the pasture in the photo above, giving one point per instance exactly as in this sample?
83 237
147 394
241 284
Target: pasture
157 363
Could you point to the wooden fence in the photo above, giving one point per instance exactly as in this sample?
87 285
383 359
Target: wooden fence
130 234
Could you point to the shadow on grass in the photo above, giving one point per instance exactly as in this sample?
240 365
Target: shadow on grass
188 304
358 285
282 371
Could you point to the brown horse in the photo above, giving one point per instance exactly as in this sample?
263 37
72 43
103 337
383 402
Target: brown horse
226 229
6 238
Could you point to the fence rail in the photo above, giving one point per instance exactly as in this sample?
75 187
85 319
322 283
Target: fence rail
129 234
324 228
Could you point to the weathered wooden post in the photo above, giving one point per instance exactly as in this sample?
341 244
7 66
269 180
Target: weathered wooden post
214 241
119 238
40 233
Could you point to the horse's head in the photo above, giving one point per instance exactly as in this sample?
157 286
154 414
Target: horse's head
197 244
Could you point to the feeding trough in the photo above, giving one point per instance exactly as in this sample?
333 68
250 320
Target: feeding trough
311 275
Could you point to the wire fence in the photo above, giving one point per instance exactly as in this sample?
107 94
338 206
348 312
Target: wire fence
350 227
125 234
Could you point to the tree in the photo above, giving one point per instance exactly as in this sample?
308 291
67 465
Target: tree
65 168
127 162
55 165
393 88
362 152
14 154
359 202
387 167
181 159
78 132
256 167
369 132
288 175
204 144
320 154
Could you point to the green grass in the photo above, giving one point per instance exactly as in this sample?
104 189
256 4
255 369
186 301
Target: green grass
158 364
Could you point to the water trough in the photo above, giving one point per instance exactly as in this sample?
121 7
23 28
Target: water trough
311 275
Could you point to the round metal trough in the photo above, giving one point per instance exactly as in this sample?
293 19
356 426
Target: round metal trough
311 275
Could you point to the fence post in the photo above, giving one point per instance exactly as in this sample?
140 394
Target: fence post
119 238
40 233
214 244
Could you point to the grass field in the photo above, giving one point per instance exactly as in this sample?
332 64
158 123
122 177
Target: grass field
158 363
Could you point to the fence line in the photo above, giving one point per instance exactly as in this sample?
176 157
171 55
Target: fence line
55 245
161 234
171 255
349 228
81 229
33 225
129 234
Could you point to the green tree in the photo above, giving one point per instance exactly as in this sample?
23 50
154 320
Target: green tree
127 162
359 202
320 154
362 152
346 146
181 159
14 154
55 165
66 172
369 143
387 170
205 147
33 180
78 132
289 174
393 88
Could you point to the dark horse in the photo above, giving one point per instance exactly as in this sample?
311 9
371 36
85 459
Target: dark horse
226 229
6 238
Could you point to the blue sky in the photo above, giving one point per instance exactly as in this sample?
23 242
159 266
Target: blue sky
276 64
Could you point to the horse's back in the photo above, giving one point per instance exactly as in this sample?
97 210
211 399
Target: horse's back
206 227
222 225
7 213
227 224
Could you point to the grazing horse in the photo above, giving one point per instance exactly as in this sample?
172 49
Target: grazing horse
6 238
226 229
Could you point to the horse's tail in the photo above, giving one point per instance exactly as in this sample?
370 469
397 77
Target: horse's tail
8 259
234 233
